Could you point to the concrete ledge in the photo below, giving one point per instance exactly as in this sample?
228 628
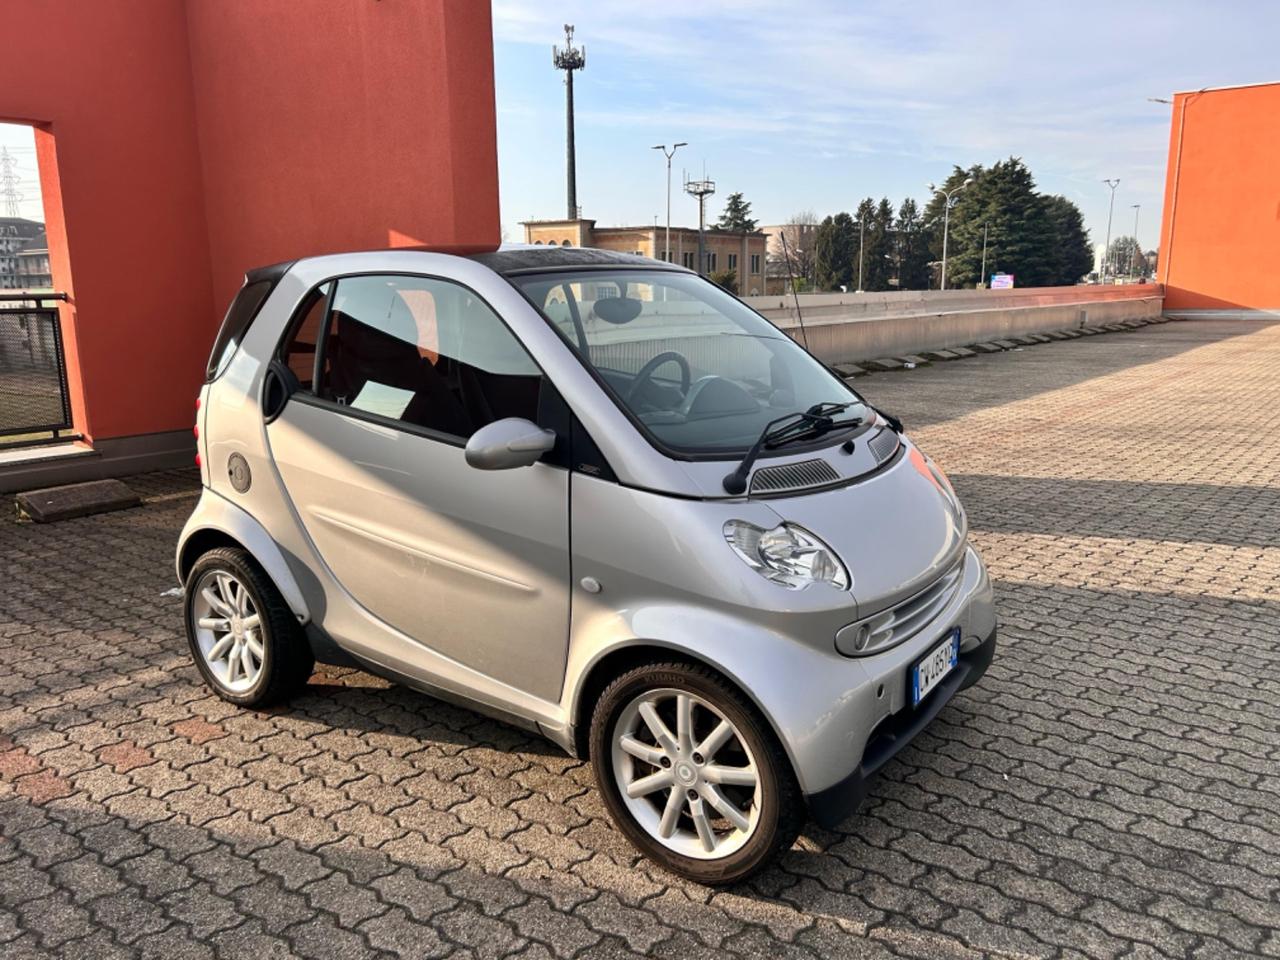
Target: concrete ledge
853 340
113 457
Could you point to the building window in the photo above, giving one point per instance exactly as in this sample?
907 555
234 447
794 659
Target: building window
566 243
755 263
733 261
711 263
687 259
638 253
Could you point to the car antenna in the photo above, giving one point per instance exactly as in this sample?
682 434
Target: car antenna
791 277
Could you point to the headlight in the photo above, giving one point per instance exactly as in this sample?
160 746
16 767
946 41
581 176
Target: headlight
790 556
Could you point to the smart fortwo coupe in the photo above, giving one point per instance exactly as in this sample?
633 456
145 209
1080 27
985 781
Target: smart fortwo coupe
594 495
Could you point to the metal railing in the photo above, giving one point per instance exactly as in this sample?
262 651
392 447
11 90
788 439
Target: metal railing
33 369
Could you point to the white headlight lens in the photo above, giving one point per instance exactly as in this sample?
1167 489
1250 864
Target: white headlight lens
788 555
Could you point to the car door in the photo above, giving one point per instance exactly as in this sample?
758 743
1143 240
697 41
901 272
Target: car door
388 376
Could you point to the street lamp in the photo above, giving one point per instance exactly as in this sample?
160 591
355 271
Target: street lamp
947 195
862 242
674 148
982 275
1133 261
1106 250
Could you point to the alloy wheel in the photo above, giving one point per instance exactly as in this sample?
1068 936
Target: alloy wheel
686 774
228 630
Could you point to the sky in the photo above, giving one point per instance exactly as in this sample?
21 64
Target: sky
815 104
21 144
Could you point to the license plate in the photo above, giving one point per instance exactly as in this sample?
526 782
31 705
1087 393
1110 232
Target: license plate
934 666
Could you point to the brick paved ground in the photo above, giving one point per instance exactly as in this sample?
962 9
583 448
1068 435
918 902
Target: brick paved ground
1111 789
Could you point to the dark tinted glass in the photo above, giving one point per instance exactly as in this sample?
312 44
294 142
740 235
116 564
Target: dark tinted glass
426 352
299 353
240 314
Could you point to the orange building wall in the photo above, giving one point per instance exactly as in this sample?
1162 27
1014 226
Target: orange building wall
1220 238
124 202
195 139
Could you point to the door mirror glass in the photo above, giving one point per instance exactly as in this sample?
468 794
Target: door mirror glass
509 443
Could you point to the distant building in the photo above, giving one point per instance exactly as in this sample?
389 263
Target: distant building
743 253
24 255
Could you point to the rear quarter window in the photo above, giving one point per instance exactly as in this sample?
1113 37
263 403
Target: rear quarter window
240 314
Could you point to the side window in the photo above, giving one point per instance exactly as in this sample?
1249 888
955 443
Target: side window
299 353
425 352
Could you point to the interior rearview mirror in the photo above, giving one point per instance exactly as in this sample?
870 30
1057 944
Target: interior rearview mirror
509 443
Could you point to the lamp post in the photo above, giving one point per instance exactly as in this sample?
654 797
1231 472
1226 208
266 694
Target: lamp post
862 242
1106 250
1133 261
982 275
674 148
947 195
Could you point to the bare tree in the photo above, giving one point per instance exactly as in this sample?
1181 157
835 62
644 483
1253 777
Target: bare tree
801 232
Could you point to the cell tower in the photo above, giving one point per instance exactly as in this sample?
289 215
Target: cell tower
569 59
701 189
9 184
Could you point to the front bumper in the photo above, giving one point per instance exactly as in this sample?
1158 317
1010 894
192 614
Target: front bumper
831 806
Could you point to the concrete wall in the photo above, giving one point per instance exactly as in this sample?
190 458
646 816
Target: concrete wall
1220 237
850 327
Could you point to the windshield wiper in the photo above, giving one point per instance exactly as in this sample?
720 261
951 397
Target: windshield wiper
817 420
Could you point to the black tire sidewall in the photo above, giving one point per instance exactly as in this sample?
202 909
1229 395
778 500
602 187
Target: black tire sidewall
774 770
236 563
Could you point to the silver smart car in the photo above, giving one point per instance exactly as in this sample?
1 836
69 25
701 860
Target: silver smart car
596 496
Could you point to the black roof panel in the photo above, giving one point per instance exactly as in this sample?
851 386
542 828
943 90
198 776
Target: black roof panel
530 258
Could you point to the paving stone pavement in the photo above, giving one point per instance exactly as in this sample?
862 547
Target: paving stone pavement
1111 788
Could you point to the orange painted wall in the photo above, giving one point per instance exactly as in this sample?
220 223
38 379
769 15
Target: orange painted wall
109 85
344 125
1221 230
195 139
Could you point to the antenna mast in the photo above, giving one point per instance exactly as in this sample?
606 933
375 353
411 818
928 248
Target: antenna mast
569 59
701 189
9 184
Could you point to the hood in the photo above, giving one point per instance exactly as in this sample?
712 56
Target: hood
896 531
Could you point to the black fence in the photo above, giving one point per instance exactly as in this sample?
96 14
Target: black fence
33 370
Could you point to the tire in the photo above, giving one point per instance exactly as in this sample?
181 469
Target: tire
260 622
629 756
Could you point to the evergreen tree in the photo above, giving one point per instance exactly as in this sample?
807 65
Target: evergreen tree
1073 256
934 220
835 247
863 225
737 215
879 267
1021 238
912 252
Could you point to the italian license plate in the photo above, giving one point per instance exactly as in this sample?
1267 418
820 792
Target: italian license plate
934 666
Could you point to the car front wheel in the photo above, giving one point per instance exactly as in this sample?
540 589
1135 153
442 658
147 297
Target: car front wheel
692 774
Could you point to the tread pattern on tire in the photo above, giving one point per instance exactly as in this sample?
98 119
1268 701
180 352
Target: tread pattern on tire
290 660
792 812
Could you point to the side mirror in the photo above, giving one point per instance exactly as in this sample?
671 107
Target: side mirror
509 443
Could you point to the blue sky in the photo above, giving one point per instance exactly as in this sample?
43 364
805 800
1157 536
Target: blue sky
814 104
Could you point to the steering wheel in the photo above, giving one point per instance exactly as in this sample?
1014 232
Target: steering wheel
647 371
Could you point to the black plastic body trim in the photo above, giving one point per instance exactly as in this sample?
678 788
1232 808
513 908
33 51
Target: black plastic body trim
831 806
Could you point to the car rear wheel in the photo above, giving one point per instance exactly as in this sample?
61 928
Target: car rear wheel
692 774
244 639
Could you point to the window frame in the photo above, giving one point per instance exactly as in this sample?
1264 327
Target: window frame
310 397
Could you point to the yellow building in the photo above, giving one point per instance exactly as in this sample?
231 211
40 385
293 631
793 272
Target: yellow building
742 253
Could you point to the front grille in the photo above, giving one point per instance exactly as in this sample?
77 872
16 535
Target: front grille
794 476
883 445
888 628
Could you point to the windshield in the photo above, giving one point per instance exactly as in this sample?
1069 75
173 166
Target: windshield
697 369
